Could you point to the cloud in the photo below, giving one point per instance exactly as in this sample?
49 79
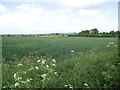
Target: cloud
2 8
50 0
81 3
23 7
33 19
94 14
29 18
31 9
68 3
22 20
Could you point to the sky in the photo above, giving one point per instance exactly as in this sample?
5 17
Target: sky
57 16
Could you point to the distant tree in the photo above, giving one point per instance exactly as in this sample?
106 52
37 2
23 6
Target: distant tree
103 33
112 32
79 33
57 33
94 31
84 32
117 33
8 35
87 31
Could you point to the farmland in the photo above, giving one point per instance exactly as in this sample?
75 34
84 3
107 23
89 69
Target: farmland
60 62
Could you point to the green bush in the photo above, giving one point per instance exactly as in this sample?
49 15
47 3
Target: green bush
94 70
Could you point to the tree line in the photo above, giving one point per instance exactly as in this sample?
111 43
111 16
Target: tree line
95 33
84 33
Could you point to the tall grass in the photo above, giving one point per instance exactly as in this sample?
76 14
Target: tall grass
56 47
95 70
61 62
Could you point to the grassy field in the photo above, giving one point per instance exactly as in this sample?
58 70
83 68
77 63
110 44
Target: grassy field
60 62
56 47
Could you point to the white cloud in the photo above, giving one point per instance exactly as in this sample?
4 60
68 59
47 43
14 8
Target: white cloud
22 20
23 7
49 0
32 9
81 3
94 14
68 3
2 8
33 19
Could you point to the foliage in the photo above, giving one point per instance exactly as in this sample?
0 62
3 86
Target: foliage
60 62
94 31
83 71
85 32
56 47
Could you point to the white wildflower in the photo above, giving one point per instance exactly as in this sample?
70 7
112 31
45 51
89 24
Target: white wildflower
44 75
19 78
53 64
38 61
55 73
31 79
19 65
15 75
66 85
86 84
43 61
4 86
17 84
118 63
36 67
71 87
54 61
110 42
47 66
49 78
115 45
72 51
24 72
107 46
27 80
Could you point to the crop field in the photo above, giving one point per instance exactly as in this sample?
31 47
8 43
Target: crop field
60 62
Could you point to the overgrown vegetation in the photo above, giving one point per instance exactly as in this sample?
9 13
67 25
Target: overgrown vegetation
60 62
84 71
95 33
56 47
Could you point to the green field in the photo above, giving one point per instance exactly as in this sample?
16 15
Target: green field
60 62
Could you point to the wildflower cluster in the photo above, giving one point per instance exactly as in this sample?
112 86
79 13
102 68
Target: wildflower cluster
111 44
68 86
72 51
86 85
44 71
